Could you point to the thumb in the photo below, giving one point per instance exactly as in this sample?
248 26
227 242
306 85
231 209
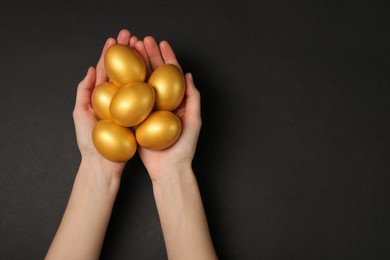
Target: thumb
192 98
84 90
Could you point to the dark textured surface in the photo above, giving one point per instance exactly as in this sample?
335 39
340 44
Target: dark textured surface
293 159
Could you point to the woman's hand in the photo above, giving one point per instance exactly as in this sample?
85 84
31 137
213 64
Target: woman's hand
175 188
84 116
84 224
177 158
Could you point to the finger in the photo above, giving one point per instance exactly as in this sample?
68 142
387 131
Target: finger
153 52
133 40
140 47
168 54
123 37
192 97
101 74
84 91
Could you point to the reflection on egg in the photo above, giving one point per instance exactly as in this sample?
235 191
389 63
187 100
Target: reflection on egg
124 65
132 104
114 142
159 131
168 83
101 99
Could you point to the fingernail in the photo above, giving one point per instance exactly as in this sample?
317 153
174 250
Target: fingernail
89 70
190 76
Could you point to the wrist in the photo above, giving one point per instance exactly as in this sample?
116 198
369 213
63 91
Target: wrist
176 178
96 173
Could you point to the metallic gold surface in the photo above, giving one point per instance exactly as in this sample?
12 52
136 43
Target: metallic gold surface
132 104
124 65
101 98
159 131
168 83
114 142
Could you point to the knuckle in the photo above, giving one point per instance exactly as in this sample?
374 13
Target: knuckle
198 122
75 113
197 93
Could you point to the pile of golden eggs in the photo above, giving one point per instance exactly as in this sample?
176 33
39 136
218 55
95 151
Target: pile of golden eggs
133 112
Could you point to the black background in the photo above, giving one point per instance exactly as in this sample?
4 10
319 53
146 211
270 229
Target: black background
293 158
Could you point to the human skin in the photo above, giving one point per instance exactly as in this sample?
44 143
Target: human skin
84 224
176 192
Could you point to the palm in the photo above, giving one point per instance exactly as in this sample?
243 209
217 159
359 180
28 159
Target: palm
158 163
181 153
84 116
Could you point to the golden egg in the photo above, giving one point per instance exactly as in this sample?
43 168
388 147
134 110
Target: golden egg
168 83
124 65
101 98
132 104
114 142
159 131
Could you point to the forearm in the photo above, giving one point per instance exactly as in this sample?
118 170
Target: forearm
182 217
82 229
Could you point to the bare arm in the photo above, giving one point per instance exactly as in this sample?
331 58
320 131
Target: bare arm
84 224
182 217
82 229
175 188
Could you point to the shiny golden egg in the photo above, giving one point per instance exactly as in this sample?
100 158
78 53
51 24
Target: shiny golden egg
124 65
168 83
114 142
132 104
159 131
101 98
